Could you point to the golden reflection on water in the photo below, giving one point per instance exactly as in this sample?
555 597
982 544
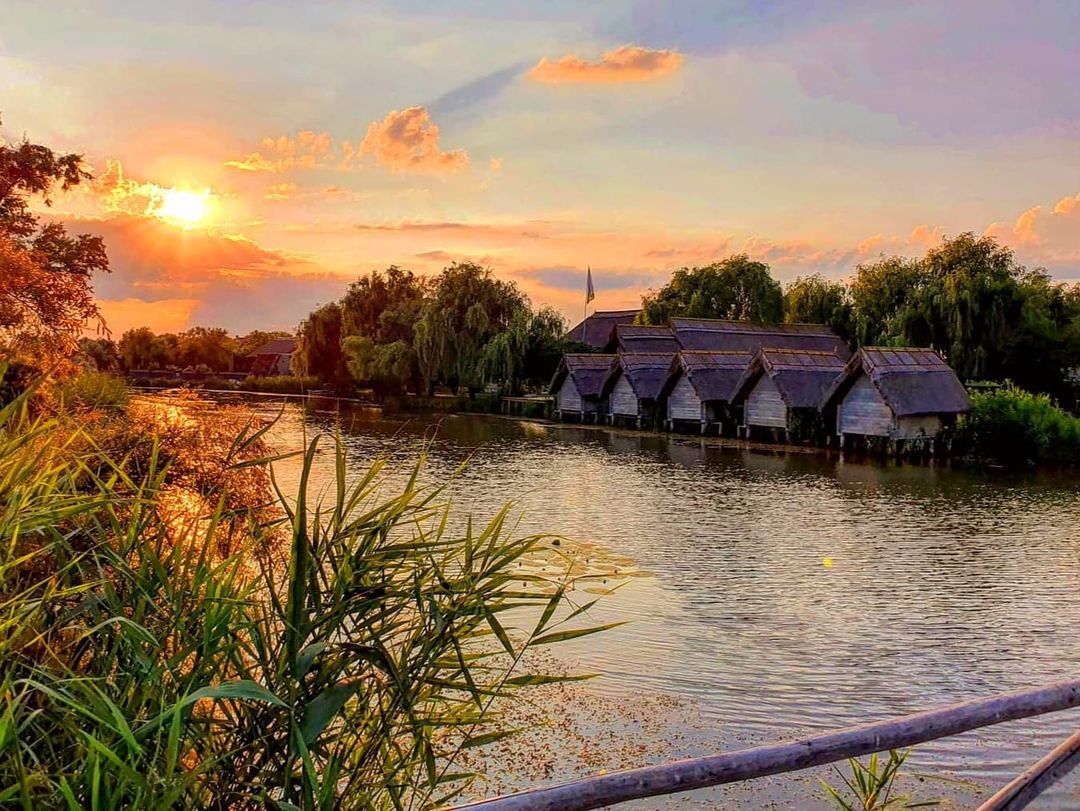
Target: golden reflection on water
769 594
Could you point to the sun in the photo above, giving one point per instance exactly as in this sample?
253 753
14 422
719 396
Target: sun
184 207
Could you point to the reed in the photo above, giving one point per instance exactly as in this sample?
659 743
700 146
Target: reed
316 650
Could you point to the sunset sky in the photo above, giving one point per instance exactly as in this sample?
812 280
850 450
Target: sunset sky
253 158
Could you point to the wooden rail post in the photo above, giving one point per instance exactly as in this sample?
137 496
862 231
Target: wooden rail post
1038 778
815 750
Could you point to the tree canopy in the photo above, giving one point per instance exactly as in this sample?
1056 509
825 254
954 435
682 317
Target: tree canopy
46 298
969 298
737 288
817 300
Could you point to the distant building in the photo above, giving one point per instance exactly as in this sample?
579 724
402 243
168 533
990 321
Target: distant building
577 385
598 330
896 394
737 336
633 386
637 338
782 390
273 358
700 387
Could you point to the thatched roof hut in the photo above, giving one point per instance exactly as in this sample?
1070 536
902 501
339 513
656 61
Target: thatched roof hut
598 330
578 381
779 382
712 375
634 382
899 393
738 336
700 385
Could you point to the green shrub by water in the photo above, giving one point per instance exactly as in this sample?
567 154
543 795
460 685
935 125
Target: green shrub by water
167 644
1015 427
93 390
282 384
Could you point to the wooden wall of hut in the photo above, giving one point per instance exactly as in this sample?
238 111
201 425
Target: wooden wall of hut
765 407
624 402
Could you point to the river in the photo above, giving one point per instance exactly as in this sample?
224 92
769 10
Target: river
772 594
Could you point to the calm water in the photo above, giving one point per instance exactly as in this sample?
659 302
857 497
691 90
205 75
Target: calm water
943 584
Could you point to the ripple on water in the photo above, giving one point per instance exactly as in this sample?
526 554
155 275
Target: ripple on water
789 593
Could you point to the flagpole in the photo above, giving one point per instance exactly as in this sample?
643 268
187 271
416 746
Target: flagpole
585 311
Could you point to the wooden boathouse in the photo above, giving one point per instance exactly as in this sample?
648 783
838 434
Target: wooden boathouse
782 390
907 395
633 385
699 389
577 385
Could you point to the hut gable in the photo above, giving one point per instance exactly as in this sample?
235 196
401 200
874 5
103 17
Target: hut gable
800 377
720 335
587 371
683 402
909 381
637 338
713 375
645 373
598 330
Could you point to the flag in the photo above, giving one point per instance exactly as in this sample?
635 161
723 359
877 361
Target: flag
590 294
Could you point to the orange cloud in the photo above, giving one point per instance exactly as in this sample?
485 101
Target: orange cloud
1044 236
1067 204
630 63
306 151
408 141
280 191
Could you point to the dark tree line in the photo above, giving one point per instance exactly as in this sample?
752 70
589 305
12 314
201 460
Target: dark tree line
991 317
394 331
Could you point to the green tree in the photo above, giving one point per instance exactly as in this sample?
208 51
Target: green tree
383 306
816 300
100 353
738 288
318 350
387 369
46 297
886 296
468 306
528 351
212 347
137 350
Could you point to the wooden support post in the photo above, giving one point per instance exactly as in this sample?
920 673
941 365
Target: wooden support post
816 750
1020 792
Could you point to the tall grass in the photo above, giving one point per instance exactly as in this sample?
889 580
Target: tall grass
872 786
1015 427
317 651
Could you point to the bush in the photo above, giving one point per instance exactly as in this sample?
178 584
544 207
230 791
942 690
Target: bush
1015 427
315 654
283 384
93 390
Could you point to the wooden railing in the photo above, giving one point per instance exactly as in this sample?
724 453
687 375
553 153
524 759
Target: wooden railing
816 750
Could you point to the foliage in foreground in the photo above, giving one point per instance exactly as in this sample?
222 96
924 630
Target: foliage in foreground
1016 427
330 652
870 787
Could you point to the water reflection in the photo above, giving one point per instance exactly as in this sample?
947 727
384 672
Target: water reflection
943 585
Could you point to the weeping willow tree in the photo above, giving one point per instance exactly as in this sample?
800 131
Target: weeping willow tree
969 298
468 307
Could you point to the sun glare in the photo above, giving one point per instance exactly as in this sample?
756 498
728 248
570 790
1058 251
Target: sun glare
184 207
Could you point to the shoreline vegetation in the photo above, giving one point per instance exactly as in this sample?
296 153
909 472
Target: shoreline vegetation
182 632
1007 427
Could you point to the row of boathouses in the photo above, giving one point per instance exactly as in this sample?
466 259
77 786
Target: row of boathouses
796 382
